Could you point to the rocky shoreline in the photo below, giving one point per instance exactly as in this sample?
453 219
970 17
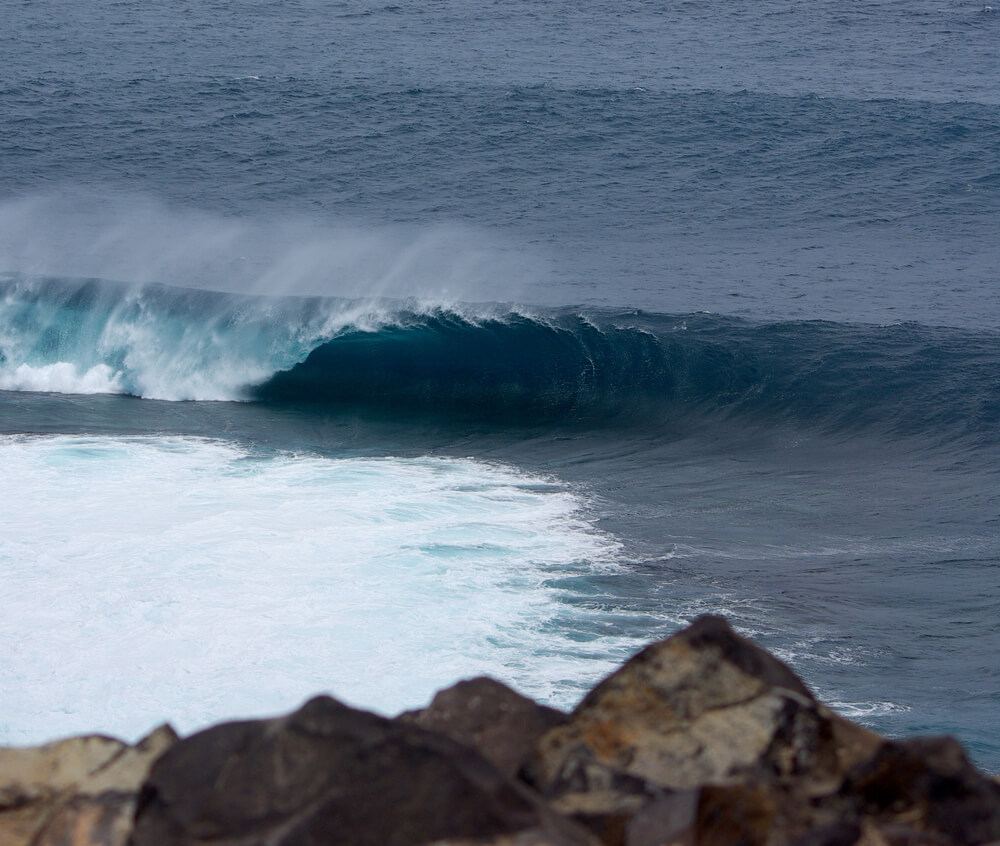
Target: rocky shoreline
703 739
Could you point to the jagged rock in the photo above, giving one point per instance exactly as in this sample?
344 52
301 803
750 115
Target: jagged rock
82 784
102 820
705 706
700 740
527 838
840 833
927 786
331 774
499 723
534 837
672 819
603 800
921 792
762 813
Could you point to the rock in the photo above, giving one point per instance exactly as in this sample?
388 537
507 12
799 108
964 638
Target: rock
672 819
761 813
331 774
603 800
926 786
840 833
74 785
30 774
499 723
899 835
102 820
527 838
921 792
703 739
705 706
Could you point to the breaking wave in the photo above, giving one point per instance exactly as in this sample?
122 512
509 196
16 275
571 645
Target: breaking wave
493 362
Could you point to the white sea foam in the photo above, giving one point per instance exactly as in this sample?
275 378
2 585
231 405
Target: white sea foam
155 343
61 377
864 711
189 580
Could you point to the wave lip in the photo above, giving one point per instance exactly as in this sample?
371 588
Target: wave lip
156 342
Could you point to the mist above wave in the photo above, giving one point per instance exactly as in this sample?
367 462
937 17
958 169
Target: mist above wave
77 233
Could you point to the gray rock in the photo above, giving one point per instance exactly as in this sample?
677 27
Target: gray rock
499 723
331 774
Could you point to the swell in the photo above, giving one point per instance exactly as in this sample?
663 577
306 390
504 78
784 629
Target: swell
494 364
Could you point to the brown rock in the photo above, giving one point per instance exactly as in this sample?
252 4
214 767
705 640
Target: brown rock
103 820
763 813
705 706
602 799
669 821
45 791
499 723
34 773
737 815
533 837
332 774
925 786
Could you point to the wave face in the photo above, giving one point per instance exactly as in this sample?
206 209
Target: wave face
492 363
629 369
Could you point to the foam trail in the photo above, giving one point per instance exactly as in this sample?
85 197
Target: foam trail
193 580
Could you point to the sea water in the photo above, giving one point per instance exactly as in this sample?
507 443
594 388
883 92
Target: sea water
362 347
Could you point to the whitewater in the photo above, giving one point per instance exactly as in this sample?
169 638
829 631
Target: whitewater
361 348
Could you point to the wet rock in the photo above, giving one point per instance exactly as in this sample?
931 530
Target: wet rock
45 789
499 723
705 706
331 774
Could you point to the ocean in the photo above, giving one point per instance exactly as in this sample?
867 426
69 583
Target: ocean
362 347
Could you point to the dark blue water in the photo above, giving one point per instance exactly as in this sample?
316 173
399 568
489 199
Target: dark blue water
730 271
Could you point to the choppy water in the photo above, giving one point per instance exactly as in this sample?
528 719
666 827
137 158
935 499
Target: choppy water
361 347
